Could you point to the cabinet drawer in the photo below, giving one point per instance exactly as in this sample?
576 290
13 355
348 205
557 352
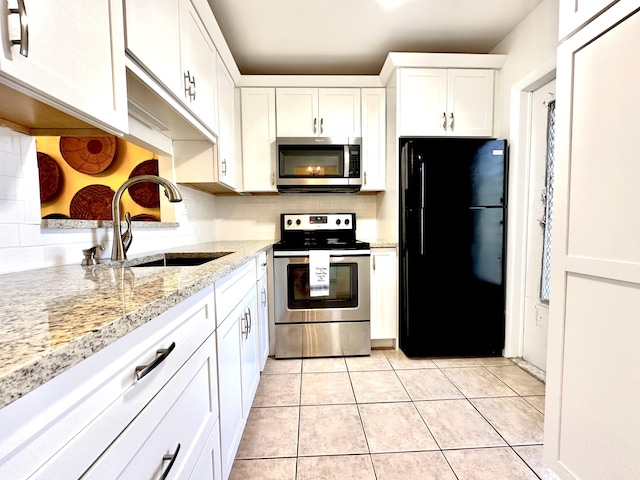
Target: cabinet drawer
177 422
68 422
231 289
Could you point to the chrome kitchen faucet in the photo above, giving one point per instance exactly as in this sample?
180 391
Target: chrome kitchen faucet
119 249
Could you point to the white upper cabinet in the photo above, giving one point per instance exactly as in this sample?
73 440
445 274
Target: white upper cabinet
227 163
258 139
339 111
198 63
575 13
373 152
170 42
446 102
318 112
159 54
69 56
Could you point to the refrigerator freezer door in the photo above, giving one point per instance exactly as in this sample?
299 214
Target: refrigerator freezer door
487 174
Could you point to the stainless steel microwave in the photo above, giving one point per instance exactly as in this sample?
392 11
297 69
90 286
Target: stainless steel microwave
319 164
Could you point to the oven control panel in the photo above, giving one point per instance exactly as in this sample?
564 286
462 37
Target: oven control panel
323 221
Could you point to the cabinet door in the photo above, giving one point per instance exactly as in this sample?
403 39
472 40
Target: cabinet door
250 361
297 112
575 13
423 102
339 112
384 308
470 103
198 63
227 163
373 139
592 426
159 55
74 61
230 388
263 321
259 139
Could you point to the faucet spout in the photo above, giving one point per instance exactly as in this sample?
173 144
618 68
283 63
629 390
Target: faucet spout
118 251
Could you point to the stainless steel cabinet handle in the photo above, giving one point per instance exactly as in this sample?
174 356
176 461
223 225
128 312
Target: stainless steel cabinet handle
322 125
273 178
247 315
244 326
162 353
264 297
224 167
189 86
24 28
444 121
452 122
172 458
315 125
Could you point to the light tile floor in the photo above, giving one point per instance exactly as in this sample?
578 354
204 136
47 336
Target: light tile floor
386 416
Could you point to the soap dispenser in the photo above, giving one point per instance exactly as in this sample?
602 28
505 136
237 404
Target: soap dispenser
90 255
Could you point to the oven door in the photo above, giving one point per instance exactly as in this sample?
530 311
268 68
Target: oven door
348 298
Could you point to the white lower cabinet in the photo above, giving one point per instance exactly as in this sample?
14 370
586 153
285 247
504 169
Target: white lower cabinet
105 417
230 384
384 297
249 350
263 311
172 396
238 368
169 434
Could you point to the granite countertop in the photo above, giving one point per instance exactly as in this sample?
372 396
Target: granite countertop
53 318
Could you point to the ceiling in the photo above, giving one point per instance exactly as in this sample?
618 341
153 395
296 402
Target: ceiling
353 37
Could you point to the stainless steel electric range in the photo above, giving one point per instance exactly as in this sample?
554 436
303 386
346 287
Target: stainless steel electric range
332 318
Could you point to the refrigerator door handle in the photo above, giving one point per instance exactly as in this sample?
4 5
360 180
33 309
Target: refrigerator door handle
423 204
422 231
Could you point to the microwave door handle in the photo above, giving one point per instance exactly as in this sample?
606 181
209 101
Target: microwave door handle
347 159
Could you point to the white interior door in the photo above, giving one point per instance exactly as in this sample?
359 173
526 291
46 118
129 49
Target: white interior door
536 311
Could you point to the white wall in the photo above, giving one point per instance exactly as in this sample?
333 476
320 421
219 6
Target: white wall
24 245
531 56
530 46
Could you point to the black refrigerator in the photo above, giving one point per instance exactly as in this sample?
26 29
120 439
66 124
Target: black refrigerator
452 245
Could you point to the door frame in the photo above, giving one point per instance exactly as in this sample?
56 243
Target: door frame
518 203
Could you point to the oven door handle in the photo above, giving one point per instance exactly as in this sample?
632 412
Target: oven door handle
332 254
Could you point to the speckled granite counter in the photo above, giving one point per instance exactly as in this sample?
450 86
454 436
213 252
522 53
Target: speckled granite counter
53 318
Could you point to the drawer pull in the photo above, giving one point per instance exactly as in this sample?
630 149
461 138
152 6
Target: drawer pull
163 353
172 458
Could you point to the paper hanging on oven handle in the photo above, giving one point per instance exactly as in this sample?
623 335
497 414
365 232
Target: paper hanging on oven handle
319 265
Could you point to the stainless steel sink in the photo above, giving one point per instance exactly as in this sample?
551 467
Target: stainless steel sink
186 259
